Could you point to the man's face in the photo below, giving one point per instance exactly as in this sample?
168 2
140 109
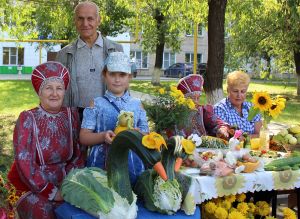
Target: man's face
86 21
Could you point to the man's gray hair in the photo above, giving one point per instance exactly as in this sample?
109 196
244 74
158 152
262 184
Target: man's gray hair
87 3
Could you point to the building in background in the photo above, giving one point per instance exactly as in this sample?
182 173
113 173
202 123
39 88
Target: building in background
145 61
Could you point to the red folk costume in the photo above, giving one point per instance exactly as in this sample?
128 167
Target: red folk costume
203 121
46 149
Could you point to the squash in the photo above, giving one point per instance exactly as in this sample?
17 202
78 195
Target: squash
117 163
249 166
291 162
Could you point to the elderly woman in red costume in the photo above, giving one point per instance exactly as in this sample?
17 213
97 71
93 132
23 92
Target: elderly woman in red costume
203 121
45 144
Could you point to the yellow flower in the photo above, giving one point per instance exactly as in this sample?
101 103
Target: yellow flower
153 141
252 207
275 110
190 103
188 146
210 207
240 197
1 181
220 213
270 217
180 101
218 201
289 214
236 215
262 101
230 198
173 88
161 90
262 208
243 208
226 204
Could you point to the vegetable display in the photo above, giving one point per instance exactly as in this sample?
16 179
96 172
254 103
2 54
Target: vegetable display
166 196
109 195
292 162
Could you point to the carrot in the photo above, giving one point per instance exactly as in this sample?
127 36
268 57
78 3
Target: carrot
159 168
178 164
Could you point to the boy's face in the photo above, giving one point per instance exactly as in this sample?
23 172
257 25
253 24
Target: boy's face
117 82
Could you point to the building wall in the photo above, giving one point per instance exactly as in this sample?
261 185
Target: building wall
187 46
31 57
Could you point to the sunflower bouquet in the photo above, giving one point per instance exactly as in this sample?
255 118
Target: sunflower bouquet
267 106
169 109
234 206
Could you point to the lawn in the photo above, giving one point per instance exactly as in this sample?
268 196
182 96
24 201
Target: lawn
17 96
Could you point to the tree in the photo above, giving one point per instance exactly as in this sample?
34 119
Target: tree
216 48
38 19
164 23
267 28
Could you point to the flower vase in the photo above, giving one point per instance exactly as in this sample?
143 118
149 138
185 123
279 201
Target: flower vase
264 136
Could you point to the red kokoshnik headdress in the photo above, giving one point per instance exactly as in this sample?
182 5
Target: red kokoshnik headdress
191 84
49 71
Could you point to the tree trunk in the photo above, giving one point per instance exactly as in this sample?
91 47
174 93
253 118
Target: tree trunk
213 80
297 64
159 17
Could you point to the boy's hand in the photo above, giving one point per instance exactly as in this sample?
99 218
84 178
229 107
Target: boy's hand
108 136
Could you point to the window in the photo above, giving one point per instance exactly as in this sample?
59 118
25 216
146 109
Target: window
190 30
189 57
168 59
141 59
13 56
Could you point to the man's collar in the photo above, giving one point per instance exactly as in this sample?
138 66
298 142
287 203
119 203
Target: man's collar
98 42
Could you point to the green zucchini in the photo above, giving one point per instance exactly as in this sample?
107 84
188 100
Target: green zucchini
283 163
117 163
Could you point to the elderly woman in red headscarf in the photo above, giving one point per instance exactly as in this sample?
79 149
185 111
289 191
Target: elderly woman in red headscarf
46 145
203 121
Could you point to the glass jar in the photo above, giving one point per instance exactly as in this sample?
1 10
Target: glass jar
264 136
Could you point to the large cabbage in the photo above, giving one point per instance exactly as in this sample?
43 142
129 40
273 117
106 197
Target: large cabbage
88 189
158 195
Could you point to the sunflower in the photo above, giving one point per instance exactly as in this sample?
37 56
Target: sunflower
262 101
275 109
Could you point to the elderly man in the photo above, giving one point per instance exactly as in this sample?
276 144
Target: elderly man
85 57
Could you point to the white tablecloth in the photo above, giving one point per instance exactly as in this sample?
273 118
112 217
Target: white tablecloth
207 187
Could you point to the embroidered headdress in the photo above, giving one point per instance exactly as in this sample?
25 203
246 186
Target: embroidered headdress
49 71
191 84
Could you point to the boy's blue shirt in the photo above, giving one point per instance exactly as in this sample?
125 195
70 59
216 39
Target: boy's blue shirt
103 117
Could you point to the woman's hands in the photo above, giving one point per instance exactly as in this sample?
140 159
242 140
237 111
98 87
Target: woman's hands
223 132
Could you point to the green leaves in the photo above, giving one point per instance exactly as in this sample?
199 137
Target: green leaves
87 188
252 113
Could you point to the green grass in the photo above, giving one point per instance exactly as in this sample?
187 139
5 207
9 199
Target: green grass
17 96
290 115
